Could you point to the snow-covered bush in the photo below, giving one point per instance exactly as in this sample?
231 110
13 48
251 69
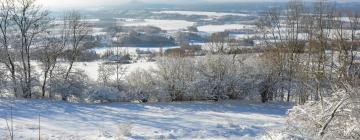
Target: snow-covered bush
225 77
213 77
333 117
105 72
220 72
176 75
70 89
142 86
104 94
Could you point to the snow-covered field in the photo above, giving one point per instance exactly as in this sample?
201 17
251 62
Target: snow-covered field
169 25
242 36
91 68
221 28
131 50
186 120
201 13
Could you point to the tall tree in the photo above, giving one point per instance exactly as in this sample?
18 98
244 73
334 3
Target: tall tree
31 21
51 49
78 29
6 27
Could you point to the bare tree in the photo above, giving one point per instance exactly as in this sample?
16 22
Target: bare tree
218 42
105 72
341 48
78 29
31 21
51 49
270 25
354 19
323 22
294 14
6 27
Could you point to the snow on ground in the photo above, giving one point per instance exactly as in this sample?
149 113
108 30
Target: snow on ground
243 36
186 120
200 13
221 28
131 50
169 25
98 31
91 68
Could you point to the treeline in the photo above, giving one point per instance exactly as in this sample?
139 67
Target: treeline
136 39
310 49
313 59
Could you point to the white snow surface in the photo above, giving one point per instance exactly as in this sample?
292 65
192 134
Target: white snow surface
201 13
169 25
186 120
91 68
131 50
221 28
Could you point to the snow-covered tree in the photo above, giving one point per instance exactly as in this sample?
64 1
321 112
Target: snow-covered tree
334 117
105 72
72 88
176 74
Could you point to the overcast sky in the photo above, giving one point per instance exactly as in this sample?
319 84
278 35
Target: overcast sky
96 3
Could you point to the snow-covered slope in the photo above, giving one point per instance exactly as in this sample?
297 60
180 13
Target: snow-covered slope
187 120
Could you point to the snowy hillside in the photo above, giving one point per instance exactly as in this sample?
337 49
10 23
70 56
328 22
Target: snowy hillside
187 120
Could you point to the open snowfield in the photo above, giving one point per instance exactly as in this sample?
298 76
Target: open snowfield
186 120
201 13
91 68
131 50
243 36
221 28
169 25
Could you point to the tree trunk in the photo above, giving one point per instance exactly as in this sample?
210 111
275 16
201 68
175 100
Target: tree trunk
69 70
43 87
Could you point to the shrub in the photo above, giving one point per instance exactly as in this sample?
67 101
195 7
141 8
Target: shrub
104 94
72 88
142 86
335 117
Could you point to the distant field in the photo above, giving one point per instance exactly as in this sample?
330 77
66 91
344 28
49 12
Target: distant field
201 13
163 24
221 28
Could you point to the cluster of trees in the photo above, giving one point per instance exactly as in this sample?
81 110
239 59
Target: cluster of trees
31 40
213 77
309 49
136 39
220 75
311 57
142 36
